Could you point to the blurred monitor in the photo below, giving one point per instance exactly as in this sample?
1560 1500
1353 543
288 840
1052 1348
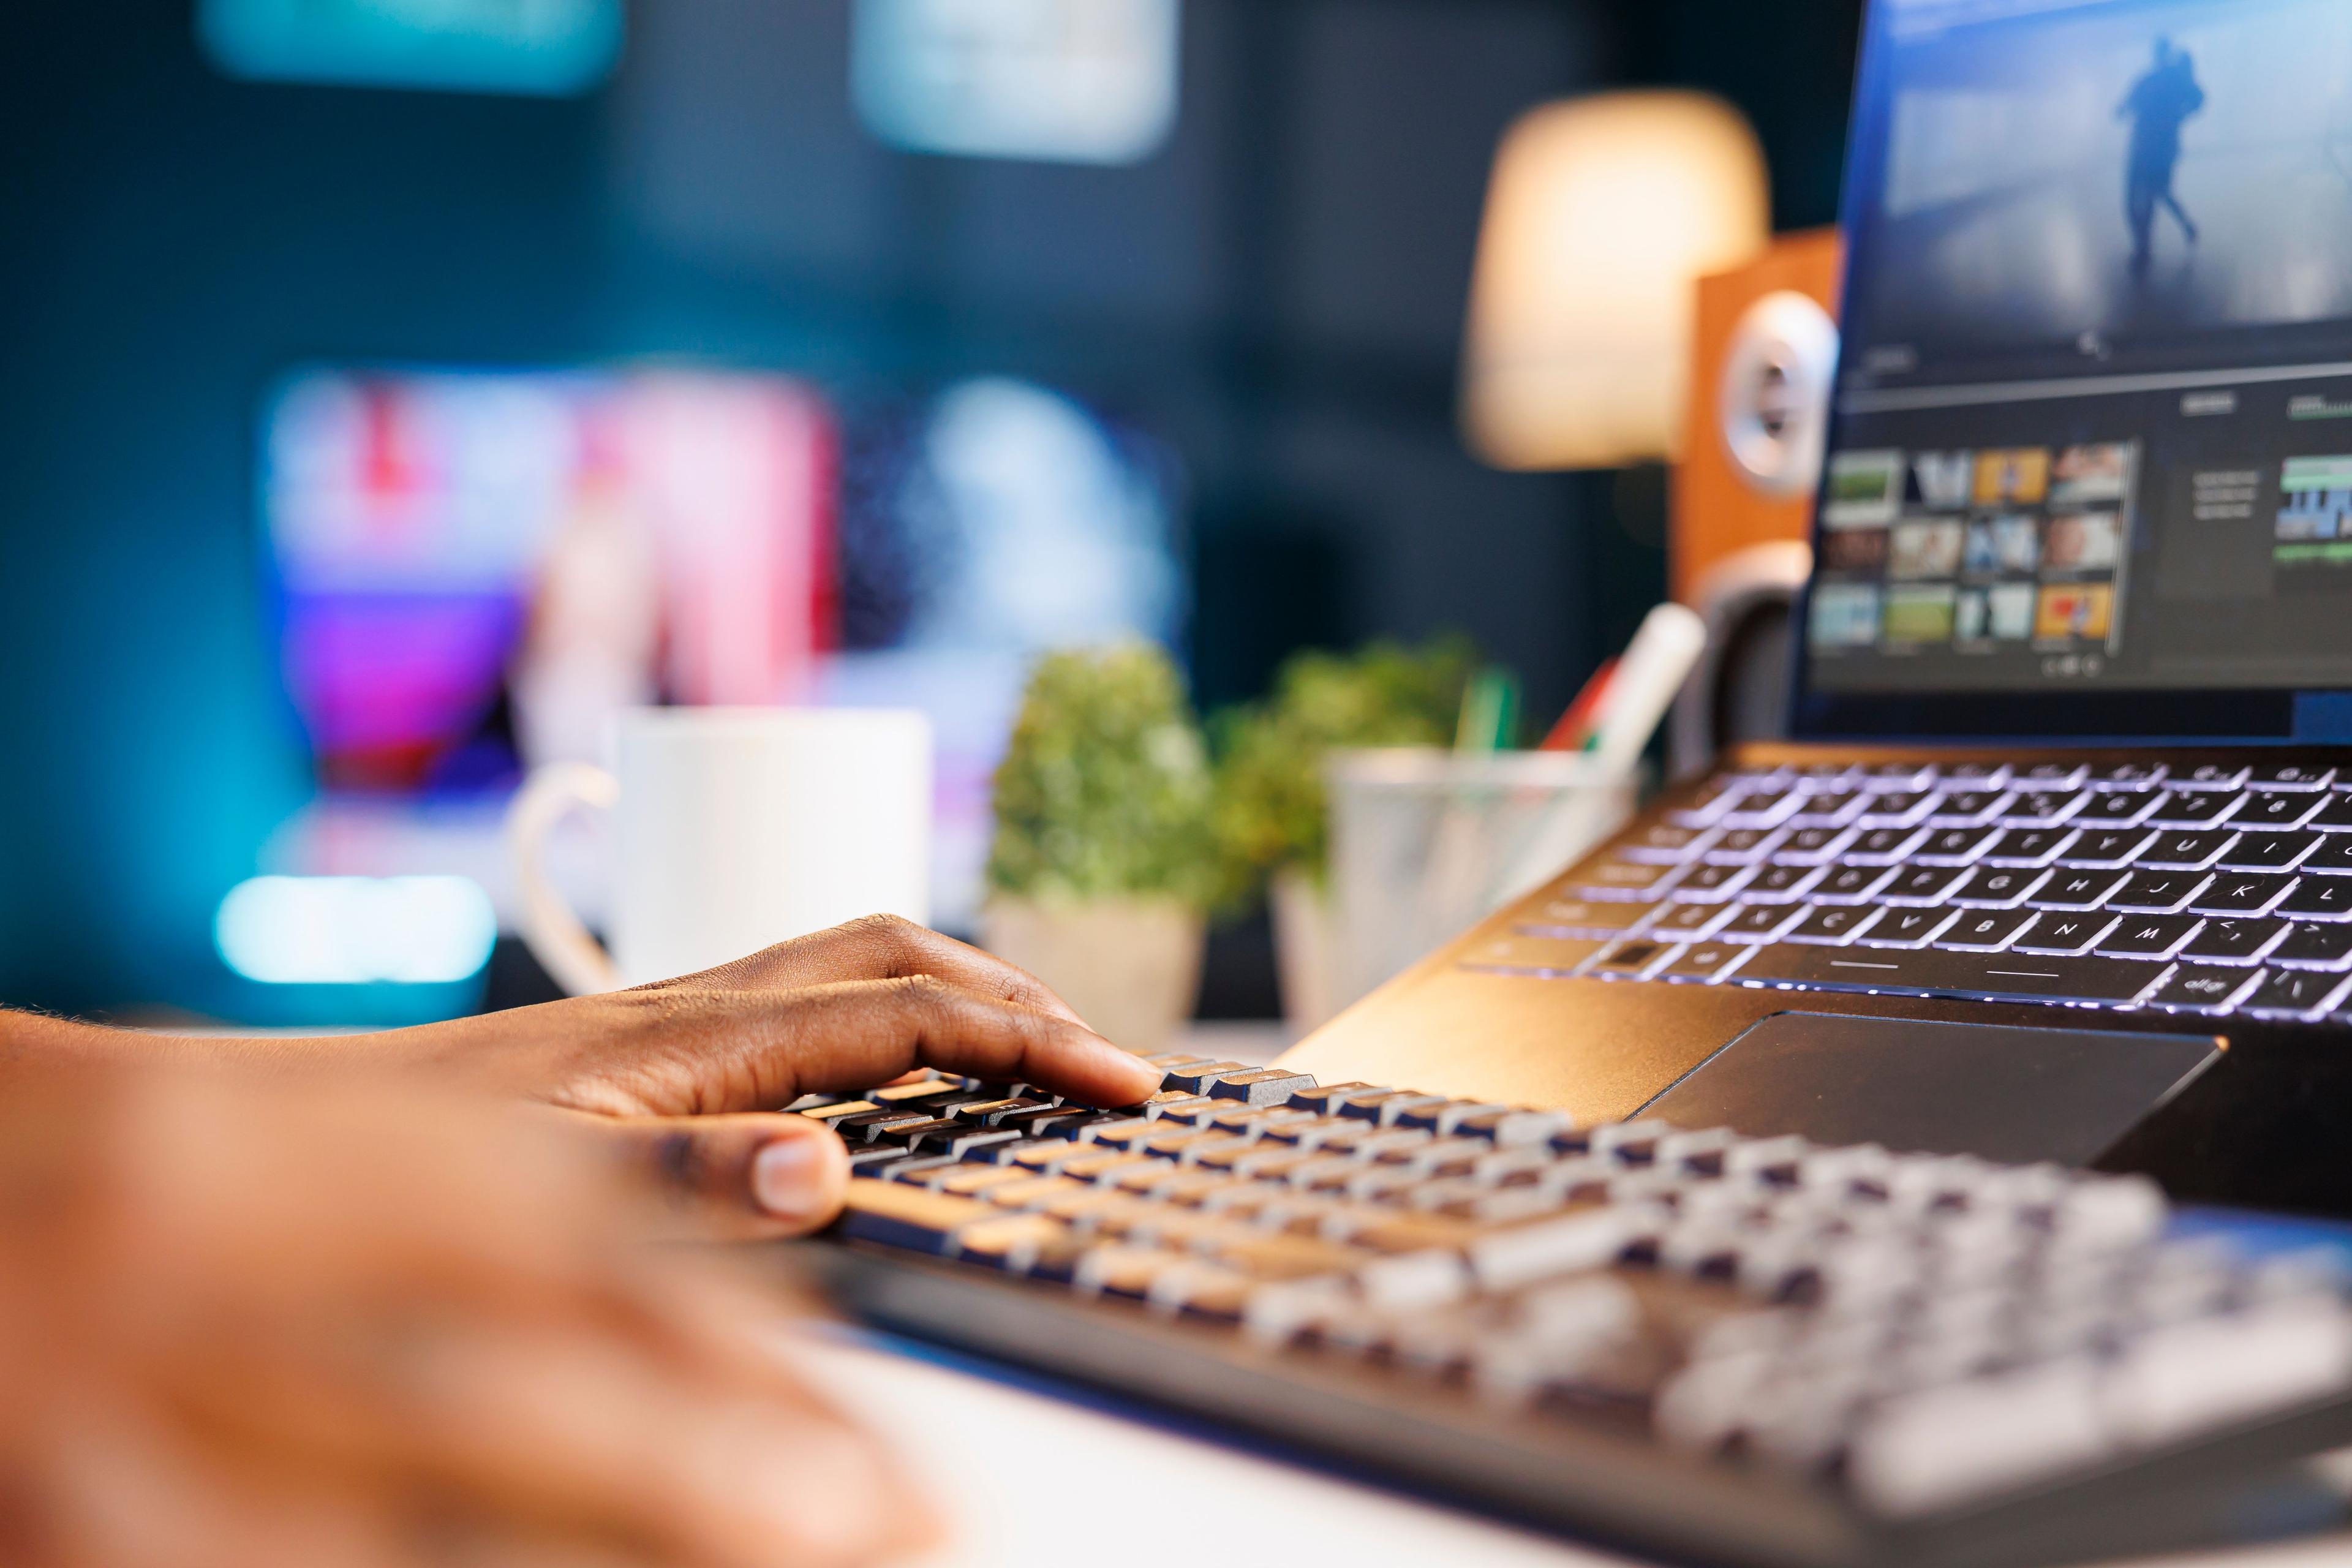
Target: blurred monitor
471 571
536 46
1079 81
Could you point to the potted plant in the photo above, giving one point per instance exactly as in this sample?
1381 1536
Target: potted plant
1101 867
1272 815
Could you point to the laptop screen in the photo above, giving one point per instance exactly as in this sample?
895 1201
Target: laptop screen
2090 465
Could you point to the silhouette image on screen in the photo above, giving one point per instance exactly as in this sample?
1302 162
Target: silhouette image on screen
2159 102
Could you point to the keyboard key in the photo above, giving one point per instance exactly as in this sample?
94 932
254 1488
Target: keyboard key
2300 778
1623 879
1259 1085
1851 884
2029 846
866 1126
1955 846
1996 887
1758 924
2043 808
2058 935
2240 943
1742 846
2244 893
2183 851
1833 925
2119 809
1764 808
1710 884
2293 993
1706 803
1812 846
1896 776
1385 1106
2126 775
2210 776
2318 898
1832 809
2200 809
1194 1078
1585 917
839 1110
1666 843
2268 851
1976 775
1328 1097
2157 892
2335 816
1986 930
1884 846
891 1213
1896 810
2190 988
1682 923
1968 807
2331 856
2278 811
1626 960
2053 775
2107 849
1779 884
1929 884
2149 936
1907 927
2314 946
2077 890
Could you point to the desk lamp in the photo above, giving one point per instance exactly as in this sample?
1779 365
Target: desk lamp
1602 215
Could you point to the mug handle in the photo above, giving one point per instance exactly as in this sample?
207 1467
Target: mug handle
553 933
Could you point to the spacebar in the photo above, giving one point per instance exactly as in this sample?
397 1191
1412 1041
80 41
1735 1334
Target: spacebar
2010 976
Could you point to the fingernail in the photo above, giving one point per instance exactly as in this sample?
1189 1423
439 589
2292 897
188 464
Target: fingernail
788 1179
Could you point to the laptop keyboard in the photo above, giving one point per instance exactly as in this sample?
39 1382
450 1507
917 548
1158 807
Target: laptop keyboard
2222 887
1915 1332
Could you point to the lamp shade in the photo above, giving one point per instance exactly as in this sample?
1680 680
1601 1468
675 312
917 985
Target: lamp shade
1602 215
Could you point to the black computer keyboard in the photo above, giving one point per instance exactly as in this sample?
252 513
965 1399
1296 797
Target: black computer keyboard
1750 1349
2218 887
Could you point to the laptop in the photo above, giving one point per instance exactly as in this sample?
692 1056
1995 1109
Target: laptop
2059 865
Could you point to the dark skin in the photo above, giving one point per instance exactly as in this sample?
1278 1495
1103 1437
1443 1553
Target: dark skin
328 1321
382 1300
683 1078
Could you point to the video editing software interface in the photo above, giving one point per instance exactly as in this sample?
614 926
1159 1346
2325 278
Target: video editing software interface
2094 422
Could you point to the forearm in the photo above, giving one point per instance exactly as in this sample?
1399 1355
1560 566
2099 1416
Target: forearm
30 1041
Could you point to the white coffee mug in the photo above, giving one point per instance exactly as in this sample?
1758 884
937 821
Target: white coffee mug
738 827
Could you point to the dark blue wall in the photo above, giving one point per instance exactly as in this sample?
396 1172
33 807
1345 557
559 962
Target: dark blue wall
1278 292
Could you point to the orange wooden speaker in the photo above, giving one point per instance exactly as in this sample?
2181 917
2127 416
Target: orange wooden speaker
1765 347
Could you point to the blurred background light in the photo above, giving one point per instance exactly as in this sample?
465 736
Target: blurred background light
1075 81
1602 216
354 931
553 47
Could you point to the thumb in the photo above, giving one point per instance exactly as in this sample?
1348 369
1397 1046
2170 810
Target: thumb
745 1177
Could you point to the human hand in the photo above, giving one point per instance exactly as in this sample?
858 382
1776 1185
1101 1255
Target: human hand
334 1323
687 1074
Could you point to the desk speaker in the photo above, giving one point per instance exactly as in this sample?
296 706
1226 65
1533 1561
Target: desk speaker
1765 348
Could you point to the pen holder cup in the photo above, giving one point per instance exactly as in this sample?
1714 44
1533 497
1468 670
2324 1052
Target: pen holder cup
1426 843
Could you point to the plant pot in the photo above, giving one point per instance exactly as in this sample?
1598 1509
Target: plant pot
1306 951
1131 967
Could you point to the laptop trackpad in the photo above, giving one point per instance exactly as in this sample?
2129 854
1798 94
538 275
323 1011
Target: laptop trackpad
1995 1091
